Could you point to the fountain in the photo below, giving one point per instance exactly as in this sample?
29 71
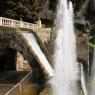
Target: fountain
65 64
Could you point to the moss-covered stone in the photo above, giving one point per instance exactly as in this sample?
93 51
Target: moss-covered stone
42 46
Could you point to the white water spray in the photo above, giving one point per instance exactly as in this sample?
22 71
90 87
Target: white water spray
65 65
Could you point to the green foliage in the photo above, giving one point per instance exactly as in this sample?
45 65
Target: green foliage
47 22
28 10
91 45
77 4
52 4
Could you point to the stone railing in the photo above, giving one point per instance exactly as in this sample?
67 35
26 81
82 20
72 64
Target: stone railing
6 22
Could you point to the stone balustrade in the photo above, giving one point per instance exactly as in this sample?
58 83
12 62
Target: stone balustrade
6 22
43 33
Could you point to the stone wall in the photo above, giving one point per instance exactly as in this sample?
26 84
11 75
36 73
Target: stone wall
83 48
83 53
22 64
44 34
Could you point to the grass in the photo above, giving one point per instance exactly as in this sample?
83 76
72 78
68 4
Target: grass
81 93
91 45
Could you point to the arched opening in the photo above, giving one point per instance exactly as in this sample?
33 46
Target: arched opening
8 60
10 73
12 60
15 42
12 70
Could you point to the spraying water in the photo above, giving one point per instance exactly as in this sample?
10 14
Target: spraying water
65 65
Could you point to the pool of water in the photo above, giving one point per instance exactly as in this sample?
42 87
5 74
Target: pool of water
29 90
8 79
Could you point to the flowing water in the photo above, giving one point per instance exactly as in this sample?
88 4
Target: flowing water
38 53
65 64
83 82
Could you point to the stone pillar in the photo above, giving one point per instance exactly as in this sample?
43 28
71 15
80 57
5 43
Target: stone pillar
39 23
0 20
21 24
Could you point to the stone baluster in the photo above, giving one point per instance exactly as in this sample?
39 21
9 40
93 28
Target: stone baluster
27 25
39 23
21 23
12 23
0 20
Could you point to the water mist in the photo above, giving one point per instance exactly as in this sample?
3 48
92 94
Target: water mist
65 64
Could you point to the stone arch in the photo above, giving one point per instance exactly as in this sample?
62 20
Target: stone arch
12 38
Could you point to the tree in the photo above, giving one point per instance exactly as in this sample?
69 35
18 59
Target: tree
52 4
28 10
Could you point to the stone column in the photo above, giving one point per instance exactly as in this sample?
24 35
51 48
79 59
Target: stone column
39 23
0 20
